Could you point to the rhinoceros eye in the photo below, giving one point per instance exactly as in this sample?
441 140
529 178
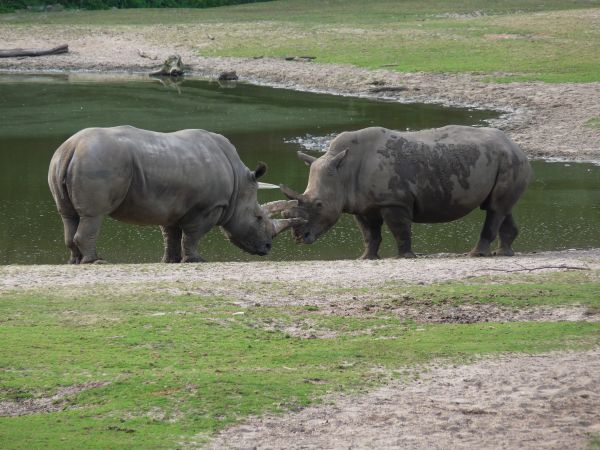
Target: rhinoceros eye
319 204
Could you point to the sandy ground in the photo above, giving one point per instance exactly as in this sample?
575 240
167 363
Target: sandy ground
349 288
548 401
335 274
547 120
545 401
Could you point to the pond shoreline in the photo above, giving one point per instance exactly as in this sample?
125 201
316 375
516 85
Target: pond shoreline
546 120
343 274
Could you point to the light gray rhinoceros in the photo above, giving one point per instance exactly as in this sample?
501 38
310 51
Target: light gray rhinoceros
187 182
428 176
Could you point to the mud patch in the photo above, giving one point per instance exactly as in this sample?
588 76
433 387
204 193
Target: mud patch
56 402
466 313
545 401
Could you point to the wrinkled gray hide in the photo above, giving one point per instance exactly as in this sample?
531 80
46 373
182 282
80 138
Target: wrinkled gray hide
187 182
428 176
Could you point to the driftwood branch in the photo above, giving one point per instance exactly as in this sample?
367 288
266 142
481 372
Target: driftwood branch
531 269
143 54
33 52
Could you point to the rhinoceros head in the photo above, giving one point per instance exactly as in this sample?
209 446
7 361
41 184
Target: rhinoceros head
250 226
322 202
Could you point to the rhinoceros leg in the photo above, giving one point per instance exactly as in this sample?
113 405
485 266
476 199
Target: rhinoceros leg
370 227
86 236
172 238
508 232
193 230
399 222
492 223
70 226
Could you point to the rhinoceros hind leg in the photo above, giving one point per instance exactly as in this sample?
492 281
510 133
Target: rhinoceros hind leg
70 226
86 237
172 238
370 227
489 232
399 222
508 232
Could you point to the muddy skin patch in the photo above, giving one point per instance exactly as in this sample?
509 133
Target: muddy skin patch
432 171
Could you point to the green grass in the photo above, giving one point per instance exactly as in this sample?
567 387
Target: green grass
594 443
183 366
556 289
594 122
553 41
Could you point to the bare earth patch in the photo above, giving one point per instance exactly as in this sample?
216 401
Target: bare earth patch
547 401
547 120
349 288
338 274
56 402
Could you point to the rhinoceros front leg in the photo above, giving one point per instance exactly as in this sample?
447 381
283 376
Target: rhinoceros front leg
193 230
70 226
370 227
86 237
172 239
492 223
399 221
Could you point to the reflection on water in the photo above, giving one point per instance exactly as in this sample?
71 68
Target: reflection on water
560 210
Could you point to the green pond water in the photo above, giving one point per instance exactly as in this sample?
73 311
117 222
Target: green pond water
561 208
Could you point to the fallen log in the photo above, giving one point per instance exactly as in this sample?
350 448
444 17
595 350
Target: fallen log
33 52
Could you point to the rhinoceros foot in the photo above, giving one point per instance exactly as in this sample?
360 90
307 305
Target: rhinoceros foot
171 259
479 254
74 260
369 256
193 259
504 252
408 255
92 260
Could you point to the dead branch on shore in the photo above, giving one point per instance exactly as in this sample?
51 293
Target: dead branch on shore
143 54
14 52
531 269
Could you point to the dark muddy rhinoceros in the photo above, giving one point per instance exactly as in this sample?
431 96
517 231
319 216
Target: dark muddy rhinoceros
428 176
187 182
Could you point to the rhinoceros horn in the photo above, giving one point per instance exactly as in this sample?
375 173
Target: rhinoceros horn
280 225
278 206
262 185
290 193
306 158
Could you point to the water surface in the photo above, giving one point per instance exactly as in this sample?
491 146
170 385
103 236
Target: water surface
560 210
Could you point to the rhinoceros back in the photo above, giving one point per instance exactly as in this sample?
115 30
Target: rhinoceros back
145 177
441 173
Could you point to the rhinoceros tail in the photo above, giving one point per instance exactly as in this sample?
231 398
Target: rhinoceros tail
57 177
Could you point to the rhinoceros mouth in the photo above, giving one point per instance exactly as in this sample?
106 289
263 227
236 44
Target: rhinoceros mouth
305 238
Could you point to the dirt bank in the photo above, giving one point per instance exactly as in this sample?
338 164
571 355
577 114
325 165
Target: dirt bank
342 288
545 401
338 274
547 120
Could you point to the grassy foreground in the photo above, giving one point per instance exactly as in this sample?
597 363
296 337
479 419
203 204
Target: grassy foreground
179 367
555 41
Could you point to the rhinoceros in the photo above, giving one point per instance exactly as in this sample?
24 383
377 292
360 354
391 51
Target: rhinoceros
186 182
438 175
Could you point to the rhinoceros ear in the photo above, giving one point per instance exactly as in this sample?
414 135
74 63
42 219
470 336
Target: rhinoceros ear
306 158
338 159
261 169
